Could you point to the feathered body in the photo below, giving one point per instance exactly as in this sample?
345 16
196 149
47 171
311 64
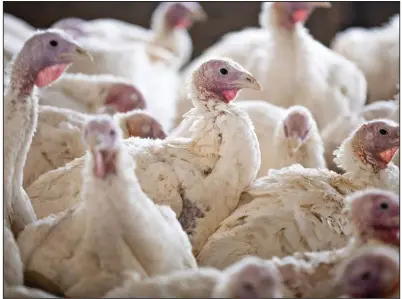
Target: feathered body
85 250
292 67
375 51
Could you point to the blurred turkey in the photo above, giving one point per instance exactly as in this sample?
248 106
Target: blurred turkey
169 29
376 52
335 132
219 160
57 140
86 249
293 68
88 93
372 272
314 274
298 209
249 278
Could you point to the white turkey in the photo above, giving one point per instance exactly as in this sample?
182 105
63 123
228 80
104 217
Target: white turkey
334 133
249 278
219 160
286 136
375 217
372 272
376 52
115 228
169 29
292 67
57 140
298 209
41 61
86 93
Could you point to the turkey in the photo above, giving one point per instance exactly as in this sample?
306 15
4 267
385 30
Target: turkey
85 249
169 29
41 61
87 94
293 68
298 209
373 272
57 140
218 161
335 132
314 274
135 63
249 278
285 136
375 51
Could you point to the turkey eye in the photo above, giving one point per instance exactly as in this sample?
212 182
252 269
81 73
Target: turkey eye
112 133
365 276
383 132
53 43
223 71
384 206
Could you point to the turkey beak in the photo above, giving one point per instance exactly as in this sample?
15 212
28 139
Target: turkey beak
199 15
251 82
294 144
82 53
319 4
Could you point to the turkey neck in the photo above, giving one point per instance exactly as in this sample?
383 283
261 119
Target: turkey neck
21 111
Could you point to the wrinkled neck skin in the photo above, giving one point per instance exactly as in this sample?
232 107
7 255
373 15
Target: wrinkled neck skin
364 174
309 155
269 20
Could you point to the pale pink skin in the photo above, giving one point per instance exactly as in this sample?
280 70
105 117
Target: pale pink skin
180 15
42 60
371 276
291 13
144 126
124 98
102 137
220 80
297 124
376 216
376 138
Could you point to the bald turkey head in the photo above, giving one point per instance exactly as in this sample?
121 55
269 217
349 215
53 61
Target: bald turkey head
123 98
221 79
43 59
375 214
373 272
376 143
183 14
103 138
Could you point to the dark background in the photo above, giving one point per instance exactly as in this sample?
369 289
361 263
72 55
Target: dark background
223 17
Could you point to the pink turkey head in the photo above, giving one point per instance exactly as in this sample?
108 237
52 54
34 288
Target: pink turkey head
141 124
124 97
375 214
221 79
183 14
376 143
297 125
43 59
252 278
372 273
103 138
73 26
291 13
